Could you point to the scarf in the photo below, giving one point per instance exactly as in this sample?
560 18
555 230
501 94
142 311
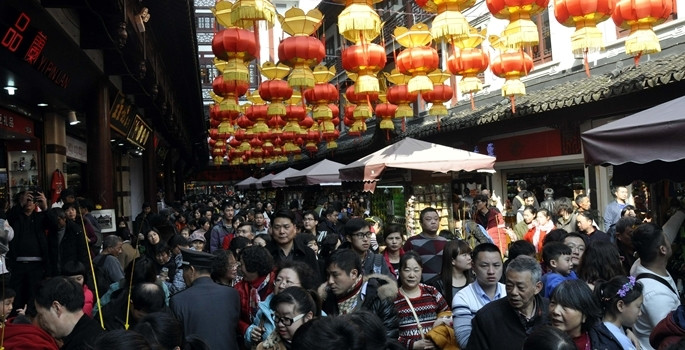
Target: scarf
255 294
348 301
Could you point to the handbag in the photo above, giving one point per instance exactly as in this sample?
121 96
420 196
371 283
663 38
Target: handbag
416 317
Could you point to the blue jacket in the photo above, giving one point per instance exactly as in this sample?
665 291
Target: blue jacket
264 315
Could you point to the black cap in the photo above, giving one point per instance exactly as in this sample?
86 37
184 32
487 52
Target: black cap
197 259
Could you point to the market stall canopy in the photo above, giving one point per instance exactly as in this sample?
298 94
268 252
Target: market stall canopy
245 184
266 179
648 145
279 179
324 173
414 154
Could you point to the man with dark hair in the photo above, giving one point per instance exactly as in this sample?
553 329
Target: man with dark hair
358 235
108 258
142 224
259 224
257 267
245 230
428 244
86 206
349 291
624 241
613 210
59 307
330 225
487 266
284 247
205 305
505 323
65 242
586 226
518 201
28 257
653 246
145 298
566 216
222 229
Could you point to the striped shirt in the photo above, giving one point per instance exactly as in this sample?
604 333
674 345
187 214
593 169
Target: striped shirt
427 306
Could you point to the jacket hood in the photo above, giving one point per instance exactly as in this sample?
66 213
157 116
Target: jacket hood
387 287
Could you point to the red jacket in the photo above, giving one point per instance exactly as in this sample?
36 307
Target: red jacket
244 288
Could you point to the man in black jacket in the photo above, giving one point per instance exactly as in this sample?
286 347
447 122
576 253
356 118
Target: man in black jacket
66 242
512 318
347 290
284 247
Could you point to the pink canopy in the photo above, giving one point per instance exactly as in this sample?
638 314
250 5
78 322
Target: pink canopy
414 154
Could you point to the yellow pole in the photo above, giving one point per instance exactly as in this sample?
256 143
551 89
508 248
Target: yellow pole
92 268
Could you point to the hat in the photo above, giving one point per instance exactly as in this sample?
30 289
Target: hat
374 220
197 236
197 259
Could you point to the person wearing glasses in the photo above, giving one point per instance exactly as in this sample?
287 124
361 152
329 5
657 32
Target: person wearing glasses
290 274
292 308
358 236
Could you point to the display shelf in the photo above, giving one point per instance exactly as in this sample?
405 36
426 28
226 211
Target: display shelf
23 173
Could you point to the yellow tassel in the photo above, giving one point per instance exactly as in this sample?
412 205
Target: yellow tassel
292 127
449 25
225 128
404 111
438 109
642 41
521 32
275 108
229 104
358 21
419 83
358 126
362 111
387 124
331 145
322 112
327 126
470 84
260 127
513 87
587 38
301 77
367 83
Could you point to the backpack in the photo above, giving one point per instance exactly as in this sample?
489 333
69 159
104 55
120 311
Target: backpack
101 277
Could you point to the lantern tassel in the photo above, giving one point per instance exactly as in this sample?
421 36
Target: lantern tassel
636 59
513 103
438 121
387 134
404 124
473 103
585 61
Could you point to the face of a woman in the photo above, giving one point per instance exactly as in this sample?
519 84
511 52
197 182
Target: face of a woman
206 226
462 262
631 312
286 313
542 219
232 272
197 214
153 237
566 319
286 278
410 274
393 241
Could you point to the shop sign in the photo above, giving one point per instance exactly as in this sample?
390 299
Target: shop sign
22 38
16 123
139 132
77 149
535 145
121 115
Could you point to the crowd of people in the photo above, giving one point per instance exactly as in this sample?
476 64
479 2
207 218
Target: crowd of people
228 272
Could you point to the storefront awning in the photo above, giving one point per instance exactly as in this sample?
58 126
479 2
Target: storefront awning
245 184
279 179
414 154
264 181
648 145
324 173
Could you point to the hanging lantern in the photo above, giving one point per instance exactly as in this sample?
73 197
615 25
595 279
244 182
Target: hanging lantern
301 51
440 94
365 60
331 135
320 96
244 13
584 15
399 94
640 16
512 65
275 90
418 59
449 23
385 112
362 110
520 31
469 61
295 113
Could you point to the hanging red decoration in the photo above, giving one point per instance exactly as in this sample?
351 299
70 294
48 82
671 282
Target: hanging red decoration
640 16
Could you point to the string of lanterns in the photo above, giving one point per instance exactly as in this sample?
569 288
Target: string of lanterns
296 106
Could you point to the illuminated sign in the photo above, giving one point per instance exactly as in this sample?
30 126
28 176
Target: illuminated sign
27 42
121 115
139 132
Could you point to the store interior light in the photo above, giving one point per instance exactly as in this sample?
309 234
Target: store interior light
11 90
42 104
23 151
71 117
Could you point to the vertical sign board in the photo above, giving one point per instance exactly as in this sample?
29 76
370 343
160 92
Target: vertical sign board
139 132
121 115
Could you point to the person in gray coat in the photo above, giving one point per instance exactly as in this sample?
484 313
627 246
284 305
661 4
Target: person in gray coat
207 310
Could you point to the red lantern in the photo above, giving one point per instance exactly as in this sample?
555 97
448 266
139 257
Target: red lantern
520 31
418 59
512 65
306 50
234 43
439 95
386 111
640 16
400 96
366 60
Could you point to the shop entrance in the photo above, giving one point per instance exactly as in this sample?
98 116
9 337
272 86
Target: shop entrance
565 181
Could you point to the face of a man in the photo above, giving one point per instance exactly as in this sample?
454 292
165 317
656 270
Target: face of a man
339 281
333 217
116 250
283 231
481 205
488 268
622 194
521 290
360 240
71 213
309 223
584 224
585 203
259 219
49 320
430 221
228 213
245 231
